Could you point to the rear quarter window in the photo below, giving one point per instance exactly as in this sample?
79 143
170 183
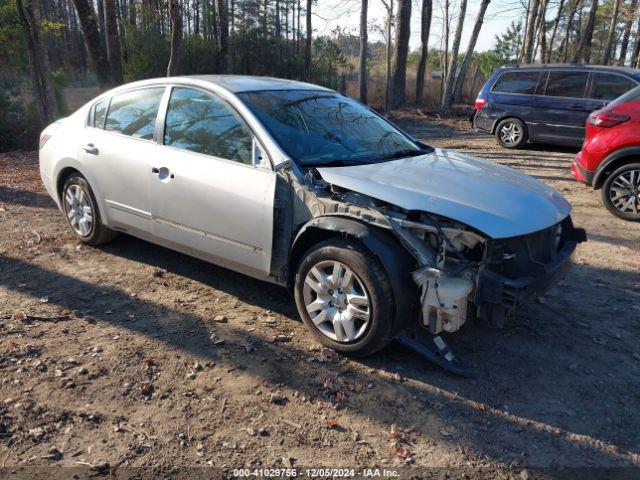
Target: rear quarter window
517 82
607 86
100 112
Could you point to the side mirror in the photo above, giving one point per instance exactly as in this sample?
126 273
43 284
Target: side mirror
260 158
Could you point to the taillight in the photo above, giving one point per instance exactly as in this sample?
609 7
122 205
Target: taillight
44 136
480 102
48 132
607 120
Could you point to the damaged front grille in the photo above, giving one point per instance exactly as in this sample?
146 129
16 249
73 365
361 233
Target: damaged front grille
526 255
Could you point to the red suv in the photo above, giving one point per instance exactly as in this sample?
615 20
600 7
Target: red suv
610 156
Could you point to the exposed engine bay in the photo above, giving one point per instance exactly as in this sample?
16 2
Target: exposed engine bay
457 272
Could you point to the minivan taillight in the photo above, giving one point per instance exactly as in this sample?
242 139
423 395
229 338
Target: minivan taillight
607 120
480 102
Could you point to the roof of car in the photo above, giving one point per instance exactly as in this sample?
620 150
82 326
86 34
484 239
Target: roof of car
577 66
249 83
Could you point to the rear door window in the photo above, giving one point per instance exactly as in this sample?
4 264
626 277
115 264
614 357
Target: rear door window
567 84
134 113
607 86
517 82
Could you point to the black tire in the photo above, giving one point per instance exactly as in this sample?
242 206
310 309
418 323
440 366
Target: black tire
373 277
517 126
98 233
630 170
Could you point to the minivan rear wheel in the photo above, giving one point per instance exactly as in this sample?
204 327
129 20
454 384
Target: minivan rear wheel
621 192
512 133
345 298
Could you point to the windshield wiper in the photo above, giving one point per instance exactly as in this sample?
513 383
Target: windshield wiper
403 153
335 163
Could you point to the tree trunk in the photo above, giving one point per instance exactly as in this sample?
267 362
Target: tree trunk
362 72
277 18
176 37
223 36
606 56
307 44
113 41
542 28
93 42
30 15
584 50
554 31
635 55
564 45
403 31
447 96
457 91
633 7
531 30
387 82
521 50
132 13
425 27
196 20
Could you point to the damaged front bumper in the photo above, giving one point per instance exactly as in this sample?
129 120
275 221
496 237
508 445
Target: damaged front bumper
498 295
512 271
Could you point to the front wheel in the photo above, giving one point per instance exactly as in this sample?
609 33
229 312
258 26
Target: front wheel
345 298
621 192
511 133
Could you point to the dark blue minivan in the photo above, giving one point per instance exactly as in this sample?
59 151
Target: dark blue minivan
547 103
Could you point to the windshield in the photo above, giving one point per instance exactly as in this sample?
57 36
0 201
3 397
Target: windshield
632 95
317 127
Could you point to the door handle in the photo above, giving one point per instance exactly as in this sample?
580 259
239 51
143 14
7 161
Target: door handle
162 172
91 149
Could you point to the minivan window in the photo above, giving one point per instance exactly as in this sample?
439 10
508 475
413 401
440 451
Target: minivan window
134 113
517 82
567 84
199 122
630 96
99 112
607 86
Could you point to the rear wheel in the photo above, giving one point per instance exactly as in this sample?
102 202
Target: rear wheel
81 210
621 192
512 133
345 298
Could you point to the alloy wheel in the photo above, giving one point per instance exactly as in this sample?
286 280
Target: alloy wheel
79 210
336 301
624 192
511 133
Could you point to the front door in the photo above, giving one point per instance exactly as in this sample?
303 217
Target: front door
207 195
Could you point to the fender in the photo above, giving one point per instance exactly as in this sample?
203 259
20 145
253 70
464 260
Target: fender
76 165
397 262
599 176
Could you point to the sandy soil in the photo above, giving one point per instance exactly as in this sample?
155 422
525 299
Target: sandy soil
131 355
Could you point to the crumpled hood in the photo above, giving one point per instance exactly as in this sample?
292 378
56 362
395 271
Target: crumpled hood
497 200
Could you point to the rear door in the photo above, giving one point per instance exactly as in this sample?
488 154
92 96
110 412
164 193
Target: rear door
207 194
564 107
118 148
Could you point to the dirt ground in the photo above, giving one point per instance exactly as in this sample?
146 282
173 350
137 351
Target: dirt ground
131 355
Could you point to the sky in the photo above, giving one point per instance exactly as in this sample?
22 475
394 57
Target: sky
330 14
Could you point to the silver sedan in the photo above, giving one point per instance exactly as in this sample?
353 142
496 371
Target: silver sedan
377 234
